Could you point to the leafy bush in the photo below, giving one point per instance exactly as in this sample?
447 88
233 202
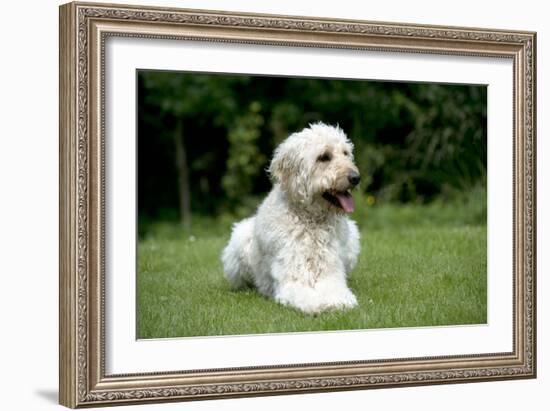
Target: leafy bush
414 142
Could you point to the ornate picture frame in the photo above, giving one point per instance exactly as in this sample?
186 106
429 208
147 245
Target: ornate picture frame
84 28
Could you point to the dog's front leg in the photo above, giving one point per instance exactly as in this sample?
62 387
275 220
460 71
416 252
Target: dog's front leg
348 235
293 284
333 291
310 292
300 296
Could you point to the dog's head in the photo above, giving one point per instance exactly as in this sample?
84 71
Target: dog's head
315 168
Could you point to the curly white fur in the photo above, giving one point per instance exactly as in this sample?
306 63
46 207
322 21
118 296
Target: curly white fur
299 247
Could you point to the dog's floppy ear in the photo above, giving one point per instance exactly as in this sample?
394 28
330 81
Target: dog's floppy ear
287 168
281 164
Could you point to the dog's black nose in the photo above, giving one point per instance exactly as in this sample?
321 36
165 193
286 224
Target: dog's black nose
354 178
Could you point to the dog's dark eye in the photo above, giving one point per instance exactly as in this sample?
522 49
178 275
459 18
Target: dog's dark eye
346 152
324 157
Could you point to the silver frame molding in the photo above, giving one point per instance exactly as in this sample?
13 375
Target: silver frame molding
84 27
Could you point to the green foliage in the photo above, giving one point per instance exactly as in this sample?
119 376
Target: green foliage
412 271
244 159
466 209
414 142
448 141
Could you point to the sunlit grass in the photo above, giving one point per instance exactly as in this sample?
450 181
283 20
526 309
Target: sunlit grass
419 266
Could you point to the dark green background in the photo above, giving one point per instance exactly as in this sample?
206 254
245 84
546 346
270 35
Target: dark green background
414 142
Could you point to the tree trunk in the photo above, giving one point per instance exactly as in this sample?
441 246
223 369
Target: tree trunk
183 176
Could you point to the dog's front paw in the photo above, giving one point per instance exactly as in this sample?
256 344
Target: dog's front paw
343 299
317 300
340 299
349 300
303 298
335 295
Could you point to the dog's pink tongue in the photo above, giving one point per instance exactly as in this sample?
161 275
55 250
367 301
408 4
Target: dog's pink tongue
346 201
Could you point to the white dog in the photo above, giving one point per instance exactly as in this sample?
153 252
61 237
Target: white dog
300 245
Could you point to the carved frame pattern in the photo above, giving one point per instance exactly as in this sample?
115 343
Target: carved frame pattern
83 30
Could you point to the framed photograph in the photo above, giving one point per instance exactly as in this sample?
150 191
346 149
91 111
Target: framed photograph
259 204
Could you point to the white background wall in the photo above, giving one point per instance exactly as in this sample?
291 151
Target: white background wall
29 192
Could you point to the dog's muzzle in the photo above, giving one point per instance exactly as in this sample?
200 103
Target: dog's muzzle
354 178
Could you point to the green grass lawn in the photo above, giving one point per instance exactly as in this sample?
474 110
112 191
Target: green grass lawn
419 266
